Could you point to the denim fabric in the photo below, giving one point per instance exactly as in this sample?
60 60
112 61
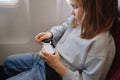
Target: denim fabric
27 66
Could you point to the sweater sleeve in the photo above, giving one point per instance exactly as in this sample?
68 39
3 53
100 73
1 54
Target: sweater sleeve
59 30
99 57
93 71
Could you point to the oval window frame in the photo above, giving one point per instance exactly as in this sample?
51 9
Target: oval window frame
9 3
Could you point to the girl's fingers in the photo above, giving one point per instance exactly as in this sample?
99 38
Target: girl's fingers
40 37
56 52
44 53
43 56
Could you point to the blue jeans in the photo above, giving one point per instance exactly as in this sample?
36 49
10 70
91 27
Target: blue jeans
27 66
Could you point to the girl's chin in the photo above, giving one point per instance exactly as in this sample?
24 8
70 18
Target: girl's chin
77 20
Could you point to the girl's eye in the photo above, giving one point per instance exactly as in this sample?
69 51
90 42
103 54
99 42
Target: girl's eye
74 6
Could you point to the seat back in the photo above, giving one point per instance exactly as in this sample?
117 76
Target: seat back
114 73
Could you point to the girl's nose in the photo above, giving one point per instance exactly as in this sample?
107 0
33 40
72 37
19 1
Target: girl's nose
73 12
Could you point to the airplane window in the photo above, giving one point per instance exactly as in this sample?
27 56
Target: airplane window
8 2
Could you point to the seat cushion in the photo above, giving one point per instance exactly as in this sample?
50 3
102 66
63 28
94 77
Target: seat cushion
114 73
2 75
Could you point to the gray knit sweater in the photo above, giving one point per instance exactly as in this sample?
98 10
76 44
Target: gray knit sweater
85 59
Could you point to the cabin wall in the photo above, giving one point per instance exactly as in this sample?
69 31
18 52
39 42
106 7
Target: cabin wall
20 24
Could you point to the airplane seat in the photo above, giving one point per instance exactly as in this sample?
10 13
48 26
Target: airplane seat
114 72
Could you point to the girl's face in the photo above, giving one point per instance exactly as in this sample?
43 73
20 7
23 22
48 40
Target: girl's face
76 9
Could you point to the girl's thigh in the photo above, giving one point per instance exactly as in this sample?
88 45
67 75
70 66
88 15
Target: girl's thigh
21 62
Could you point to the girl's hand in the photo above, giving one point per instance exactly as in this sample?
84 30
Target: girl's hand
53 61
41 36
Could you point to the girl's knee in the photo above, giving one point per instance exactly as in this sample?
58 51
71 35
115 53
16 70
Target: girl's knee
9 60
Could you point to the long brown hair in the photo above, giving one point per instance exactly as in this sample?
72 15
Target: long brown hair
98 16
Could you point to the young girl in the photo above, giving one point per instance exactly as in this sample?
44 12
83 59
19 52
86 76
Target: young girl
84 46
